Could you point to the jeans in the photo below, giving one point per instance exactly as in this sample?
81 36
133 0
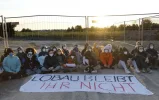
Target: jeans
33 71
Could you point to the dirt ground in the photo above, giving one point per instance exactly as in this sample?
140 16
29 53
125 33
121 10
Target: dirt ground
9 90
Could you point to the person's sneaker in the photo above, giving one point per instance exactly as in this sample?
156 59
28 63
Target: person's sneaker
9 78
127 71
85 71
137 70
94 71
143 70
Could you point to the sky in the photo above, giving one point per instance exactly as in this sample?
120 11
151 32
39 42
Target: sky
9 8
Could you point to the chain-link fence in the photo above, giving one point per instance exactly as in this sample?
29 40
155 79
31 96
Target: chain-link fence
59 27
47 27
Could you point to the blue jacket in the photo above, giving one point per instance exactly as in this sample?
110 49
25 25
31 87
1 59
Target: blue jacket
11 64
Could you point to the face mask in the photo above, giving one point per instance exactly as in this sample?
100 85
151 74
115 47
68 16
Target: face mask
11 54
151 47
51 55
72 57
20 51
54 49
125 52
30 55
106 51
43 50
141 50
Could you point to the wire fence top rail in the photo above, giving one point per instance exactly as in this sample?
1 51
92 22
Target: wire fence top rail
87 16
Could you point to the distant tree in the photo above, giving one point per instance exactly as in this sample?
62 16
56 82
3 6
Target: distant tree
69 29
78 28
147 24
72 28
26 30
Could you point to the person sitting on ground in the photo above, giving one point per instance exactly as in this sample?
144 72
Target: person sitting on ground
43 51
21 55
51 63
153 56
97 50
141 58
54 48
85 61
78 54
61 58
92 60
106 57
125 58
134 51
65 50
11 66
5 54
43 54
31 64
71 61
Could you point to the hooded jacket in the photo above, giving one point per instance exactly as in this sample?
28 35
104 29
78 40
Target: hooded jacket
21 55
11 64
42 53
152 52
106 58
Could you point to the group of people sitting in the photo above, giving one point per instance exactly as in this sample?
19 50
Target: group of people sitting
52 59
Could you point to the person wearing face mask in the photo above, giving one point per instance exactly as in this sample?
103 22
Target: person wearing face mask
43 51
31 64
106 57
126 59
92 60
21 55
141 58
78 54
54 48
65 50
51 63
97 50
153 56
11 66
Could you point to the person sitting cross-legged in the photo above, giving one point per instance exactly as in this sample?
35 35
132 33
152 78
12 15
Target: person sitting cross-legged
31 64
92 60
51 63
106 57
126 59
11 66
153 56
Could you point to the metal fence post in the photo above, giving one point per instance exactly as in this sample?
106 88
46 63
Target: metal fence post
3 30
124 31
6 32
142 32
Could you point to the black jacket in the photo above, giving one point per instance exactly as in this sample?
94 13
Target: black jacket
124 57
31 63
152 52
51 62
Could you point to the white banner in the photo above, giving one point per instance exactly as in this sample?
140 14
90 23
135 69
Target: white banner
125 84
